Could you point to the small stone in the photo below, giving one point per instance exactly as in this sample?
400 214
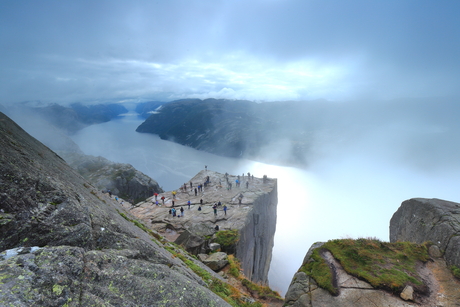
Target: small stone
408 293
434 251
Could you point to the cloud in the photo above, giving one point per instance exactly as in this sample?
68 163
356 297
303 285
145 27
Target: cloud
261 50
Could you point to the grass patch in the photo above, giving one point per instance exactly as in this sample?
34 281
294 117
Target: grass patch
389 266
234 266
143 227
227 238
455 270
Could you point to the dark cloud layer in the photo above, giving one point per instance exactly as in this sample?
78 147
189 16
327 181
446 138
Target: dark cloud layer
261 50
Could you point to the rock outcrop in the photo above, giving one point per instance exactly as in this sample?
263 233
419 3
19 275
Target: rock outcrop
254 217
64 243
440 287
121 179
420 219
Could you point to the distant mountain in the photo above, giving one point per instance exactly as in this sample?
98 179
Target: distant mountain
231 128
72 118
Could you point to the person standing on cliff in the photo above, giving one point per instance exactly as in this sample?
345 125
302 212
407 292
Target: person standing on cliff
225 209
156 195
215 209
163 199
196 191
181 211
188 204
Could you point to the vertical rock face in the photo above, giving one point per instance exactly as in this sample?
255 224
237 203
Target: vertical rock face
253 215
254 248
419 220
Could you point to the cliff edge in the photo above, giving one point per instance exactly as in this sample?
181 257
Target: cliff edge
250 208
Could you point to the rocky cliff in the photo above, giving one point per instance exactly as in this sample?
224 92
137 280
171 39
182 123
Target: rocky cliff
367 272
65 244
251 209
122 179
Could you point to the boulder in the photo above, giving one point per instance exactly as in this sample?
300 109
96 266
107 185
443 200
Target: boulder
194 239
419 220
216 261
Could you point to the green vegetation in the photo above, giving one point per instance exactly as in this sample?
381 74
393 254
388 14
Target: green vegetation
227 238
143 227
384 265
230 294
234 266
455 270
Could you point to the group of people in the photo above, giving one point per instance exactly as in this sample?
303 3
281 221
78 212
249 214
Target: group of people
199 188
173 211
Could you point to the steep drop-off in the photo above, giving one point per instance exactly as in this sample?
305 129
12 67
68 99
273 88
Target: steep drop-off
254 217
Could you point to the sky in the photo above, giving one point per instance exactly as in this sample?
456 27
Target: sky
263 50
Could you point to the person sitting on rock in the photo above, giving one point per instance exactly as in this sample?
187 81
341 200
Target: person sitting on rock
217 227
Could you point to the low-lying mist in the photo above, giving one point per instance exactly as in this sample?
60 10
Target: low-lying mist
363 160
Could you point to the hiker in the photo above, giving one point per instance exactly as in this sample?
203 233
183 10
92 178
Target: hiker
156 195
249 175
206 168
225 209
174 194
201 202
173 212
247 184
217 227
170 211
163 199
240 198
219 204
191 185
173 203
110 193
189 203
215 209
199 208
181 211
196 191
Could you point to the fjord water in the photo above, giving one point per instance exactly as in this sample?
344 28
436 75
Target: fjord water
351 194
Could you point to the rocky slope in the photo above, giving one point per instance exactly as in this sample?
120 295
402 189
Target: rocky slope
417 220
122 179
64 244
254 217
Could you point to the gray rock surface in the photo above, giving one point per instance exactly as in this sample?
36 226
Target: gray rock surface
88 253
419 220
121 179
254 218
216 261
